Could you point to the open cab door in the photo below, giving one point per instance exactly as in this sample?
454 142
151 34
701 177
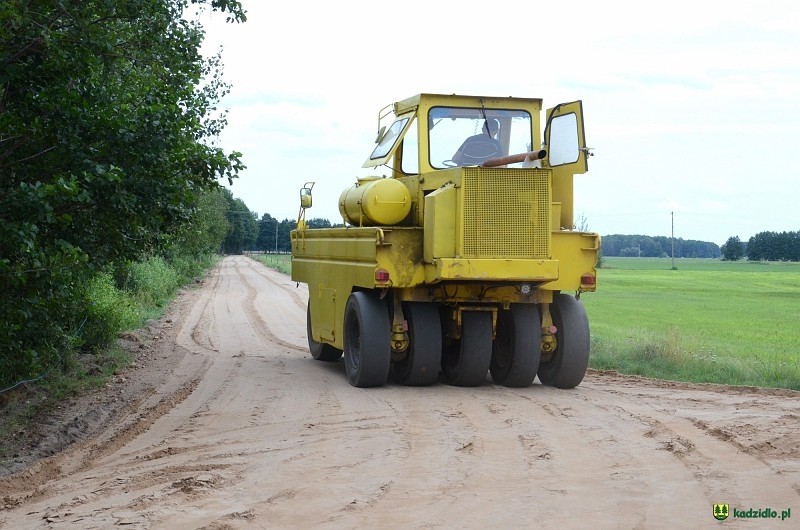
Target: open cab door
565 138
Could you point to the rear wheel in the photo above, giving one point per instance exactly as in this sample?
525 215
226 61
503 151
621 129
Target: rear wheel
466 361
367 353
319 350
423 358
517 347
568 364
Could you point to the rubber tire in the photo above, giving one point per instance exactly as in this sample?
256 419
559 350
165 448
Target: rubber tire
424 356
517 346
320 351
367 351
466 361
571 359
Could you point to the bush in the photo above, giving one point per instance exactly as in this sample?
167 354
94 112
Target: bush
152 282
188 268
108 311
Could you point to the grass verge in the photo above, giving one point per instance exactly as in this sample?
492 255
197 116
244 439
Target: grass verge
279 262
707 321
93 358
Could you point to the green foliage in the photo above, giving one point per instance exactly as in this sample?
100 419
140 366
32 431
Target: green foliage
106 109
267 234
107 311
318 222
205 230
242 226
774 246
733 249
153 281
711 321
275 236
188 267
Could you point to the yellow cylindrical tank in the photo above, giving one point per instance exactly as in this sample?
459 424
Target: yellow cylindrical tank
375 202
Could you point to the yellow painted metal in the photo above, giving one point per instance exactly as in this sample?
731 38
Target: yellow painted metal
555 215
336 261
462 237
492 270
440 208
375 202
577 254
505 213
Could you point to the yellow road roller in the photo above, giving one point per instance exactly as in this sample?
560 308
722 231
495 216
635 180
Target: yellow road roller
462 259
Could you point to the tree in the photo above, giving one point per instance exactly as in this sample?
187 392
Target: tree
774 246
267 227
206 228
242 226
284 235
733 249
318 222
105 112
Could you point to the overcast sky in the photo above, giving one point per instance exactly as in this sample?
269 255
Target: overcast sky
690 107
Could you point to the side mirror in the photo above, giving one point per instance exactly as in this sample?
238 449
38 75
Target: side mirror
305 198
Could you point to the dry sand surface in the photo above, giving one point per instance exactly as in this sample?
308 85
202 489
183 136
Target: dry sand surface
225 421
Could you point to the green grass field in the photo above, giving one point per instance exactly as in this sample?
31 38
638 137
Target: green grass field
707 321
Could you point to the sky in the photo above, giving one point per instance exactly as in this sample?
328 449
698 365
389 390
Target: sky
691 108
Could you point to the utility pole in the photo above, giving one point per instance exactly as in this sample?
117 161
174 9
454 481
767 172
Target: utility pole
276 236
673 239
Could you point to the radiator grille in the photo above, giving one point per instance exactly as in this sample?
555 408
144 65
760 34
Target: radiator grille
506 213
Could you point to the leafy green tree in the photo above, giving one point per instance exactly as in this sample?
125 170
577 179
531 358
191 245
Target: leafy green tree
242 226
318 222
774 246
267 232
106 109
733 249
205 230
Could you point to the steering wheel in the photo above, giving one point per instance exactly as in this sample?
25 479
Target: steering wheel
449 163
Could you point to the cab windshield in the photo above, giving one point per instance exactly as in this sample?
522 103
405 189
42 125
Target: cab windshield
469 136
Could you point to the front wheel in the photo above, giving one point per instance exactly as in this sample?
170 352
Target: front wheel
567 365
367 351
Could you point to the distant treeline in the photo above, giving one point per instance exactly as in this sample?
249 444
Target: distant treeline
764 246
619 245
247 232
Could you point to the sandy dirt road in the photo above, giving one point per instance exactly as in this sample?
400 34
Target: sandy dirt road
229 423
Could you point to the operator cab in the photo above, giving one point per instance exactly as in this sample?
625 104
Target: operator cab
432 132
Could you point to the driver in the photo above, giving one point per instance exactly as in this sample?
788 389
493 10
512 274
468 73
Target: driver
480 147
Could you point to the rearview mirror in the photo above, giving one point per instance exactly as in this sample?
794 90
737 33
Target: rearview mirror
305 198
